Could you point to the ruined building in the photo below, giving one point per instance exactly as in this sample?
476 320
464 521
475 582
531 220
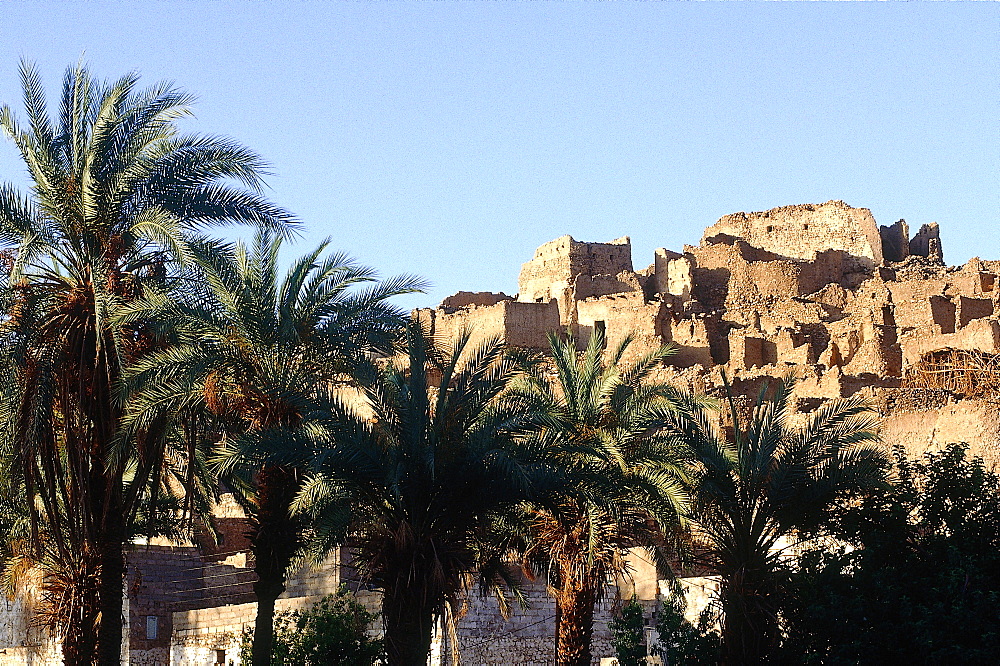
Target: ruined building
817 290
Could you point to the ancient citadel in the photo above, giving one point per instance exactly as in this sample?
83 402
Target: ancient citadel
817 290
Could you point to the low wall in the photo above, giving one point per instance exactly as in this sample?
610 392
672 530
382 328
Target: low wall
528 637
199 635
922 430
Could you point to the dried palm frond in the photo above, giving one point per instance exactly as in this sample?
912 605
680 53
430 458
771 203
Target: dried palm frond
968 372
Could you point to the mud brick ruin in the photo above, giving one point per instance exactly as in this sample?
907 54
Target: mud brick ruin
818 290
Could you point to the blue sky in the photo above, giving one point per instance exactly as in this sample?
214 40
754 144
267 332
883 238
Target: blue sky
450 139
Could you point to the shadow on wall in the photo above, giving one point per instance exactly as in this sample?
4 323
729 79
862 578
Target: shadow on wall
711 286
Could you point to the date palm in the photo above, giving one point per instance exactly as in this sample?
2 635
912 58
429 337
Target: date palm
117 195
624 480
420 478
265 357
762 482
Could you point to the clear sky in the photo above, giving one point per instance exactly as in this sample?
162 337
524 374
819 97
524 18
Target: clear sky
450 139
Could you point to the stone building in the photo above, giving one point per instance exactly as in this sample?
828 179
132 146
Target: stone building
816 290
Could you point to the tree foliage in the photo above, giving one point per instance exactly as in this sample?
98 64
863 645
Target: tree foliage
419 476
628 634
763 482
914 576
117 198
683 643
334 630
624 480
264 357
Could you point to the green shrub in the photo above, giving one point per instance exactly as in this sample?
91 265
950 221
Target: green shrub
916 579
332 631
680 641
627 635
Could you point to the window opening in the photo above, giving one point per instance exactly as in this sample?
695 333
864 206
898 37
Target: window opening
600 328
152 627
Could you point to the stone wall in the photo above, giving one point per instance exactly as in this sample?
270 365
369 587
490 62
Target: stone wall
801 231
528 324
464 299
47 654
200 632
519 324
922 430
526 638
557 263
617 316
202 636
672 273
485 637
980 334
159 579
21 643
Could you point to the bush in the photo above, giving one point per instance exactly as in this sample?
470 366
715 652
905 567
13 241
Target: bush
918 579
627 635
332 631
682 642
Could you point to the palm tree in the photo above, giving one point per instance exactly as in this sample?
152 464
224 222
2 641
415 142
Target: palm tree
763 483
117 196
420 480
265 357
624 480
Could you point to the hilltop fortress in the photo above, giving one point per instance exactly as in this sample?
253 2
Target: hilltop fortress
817 289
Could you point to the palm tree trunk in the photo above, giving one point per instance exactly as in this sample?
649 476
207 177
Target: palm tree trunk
267 592
409 623
575 627
80 642
112 607
112 580
558 622
79 647
750 625
275 537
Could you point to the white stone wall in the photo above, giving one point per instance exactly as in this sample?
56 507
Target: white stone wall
202 650
44 655
20 643
528 636
151 657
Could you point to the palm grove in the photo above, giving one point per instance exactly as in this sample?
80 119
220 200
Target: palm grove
148 363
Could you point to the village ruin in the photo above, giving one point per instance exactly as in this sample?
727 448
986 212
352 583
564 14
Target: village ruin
818 290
